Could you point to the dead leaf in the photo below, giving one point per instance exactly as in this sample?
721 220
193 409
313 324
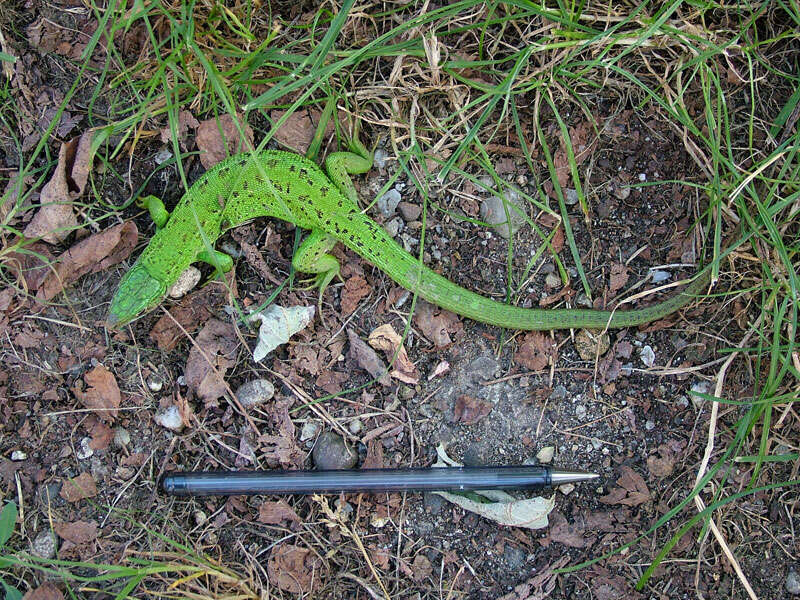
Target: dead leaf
366 358
280 451
192 312
583 141
306 359
469 410
379 556
209 359
79 532
186 121
293 568
78 488
421 568
661 464
539 586
619 277
331 381
355 288
374 457
298 130
90 255
46 591
536 351
563 532
219 138
632 490
277 513
102 435
15 188
55 219
102 395
436 323
385 338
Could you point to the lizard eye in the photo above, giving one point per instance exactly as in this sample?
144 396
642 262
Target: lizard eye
138 292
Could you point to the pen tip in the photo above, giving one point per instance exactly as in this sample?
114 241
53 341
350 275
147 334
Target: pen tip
562 476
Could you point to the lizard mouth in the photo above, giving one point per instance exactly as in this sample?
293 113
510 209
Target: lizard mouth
138 292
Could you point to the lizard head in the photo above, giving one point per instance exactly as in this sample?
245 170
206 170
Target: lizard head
138 292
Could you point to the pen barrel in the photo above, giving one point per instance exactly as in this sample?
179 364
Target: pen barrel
363 480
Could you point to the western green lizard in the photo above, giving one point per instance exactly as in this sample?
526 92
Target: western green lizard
290 187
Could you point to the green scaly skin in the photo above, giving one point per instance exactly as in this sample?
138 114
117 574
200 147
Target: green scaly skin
290 187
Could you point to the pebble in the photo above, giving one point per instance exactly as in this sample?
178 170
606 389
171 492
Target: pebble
649 425
699 387
155 384
515 557
186 282
566 489
255 392
125 473
309 430
583 300
49 494
596 444
85 451
659 276
331 452
343 507
162 156
169 417
648 356
580 411
591 345
570 196
393 227
793 583
545 455
559 393
200 517
387 203
481 369
44 545
121 437
379 158
18 455
409 211
356 426
552 280
494 213
433 503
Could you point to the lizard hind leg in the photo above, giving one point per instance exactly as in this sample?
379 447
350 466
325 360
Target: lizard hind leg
156 208
340 165
312 257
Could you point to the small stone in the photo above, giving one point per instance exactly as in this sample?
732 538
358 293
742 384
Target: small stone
155 384
409 211
355 426
580 411
18 455
200 517
49 494
683 402
591 344
121 437
379 158
481 369
793 582
642 177
125 473
515 557
255 392
169 417
378 522
332 452
583 300
186 282
162 156
596 444
84 451
566 489
545 455
433 503
649 425
44 545
648 356
393 227
620 191
493 212
387 203
309 430
552 280
559 393
343 507
570 196
659 276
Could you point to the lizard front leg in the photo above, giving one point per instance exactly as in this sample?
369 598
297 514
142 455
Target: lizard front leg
312 257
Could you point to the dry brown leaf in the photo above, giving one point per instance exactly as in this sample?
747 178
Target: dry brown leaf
374 457
102 394
355 288
536 351
298 130
192 312
379 556
90 255
661 464
186 121
366 358
46 591
583 142
436 323
619 277
563 532
469 410
79 532
331 381
217 139
632 490
55 219
102 435
277 513
78 488
217 343
421 568
385 338
294 569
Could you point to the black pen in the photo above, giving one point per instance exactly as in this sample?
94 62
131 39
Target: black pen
227 483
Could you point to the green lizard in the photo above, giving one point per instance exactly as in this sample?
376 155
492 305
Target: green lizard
290 187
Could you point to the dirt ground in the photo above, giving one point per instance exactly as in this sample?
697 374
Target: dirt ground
80 401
